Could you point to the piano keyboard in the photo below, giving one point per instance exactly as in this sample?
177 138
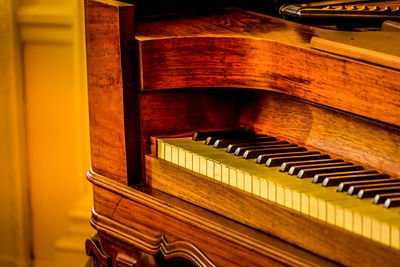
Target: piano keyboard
309 182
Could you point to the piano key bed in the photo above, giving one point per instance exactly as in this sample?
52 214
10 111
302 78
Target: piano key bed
361 201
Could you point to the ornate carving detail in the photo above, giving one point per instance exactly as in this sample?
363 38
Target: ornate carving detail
93 248
124 260
148 244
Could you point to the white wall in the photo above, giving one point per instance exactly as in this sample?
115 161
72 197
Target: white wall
14 207
44 151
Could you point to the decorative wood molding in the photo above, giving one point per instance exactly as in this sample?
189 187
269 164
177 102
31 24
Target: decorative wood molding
241 238
93 248
147 243
43 23
247 50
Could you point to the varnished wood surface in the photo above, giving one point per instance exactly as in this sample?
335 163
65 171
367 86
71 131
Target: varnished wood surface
146 218
185 111
377 49
106 47
366 142
323 239
242 49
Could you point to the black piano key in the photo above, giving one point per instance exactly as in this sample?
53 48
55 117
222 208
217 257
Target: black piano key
331 181
202 135
355 189
210 140
225 142
392 202
263 158
344 186
241 150
253 153
381 198
371 192
319 178
287 165
273 162
294 170
232 147
308 173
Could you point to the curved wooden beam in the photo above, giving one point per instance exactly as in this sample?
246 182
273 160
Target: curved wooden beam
262 53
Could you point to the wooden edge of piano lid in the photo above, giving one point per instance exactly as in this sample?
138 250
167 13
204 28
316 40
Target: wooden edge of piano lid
183 225
244 49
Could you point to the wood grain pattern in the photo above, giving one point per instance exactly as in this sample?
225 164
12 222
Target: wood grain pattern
186 111
109 28
169 250
323 239
347 136
359 53
93 249
254 51
136 213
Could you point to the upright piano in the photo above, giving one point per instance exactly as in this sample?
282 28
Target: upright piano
310 113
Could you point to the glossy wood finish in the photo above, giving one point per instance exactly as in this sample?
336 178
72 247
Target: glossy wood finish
190 75
109 29
186 111
247 50
347 248
155 222
341 134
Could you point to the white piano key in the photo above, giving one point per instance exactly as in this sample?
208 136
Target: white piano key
271 191
217 171
196 163
168 152
280 194
210 168
263 188
296 199
181 158
203 165
288 197
240 180
189 160
160 149
174 155
248 182
232 177
225 174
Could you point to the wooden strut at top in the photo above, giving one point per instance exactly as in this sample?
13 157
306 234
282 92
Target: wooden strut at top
237 48
113 101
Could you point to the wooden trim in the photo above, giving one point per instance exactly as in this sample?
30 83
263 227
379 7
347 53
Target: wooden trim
241 238
263 53
346 247
169 250
113 108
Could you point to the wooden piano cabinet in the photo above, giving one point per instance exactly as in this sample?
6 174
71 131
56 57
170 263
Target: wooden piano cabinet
172 77
137 221
113 102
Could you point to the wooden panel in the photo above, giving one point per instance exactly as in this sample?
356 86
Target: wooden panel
109 26
254 52
157 223
186 111
343 134
323 239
